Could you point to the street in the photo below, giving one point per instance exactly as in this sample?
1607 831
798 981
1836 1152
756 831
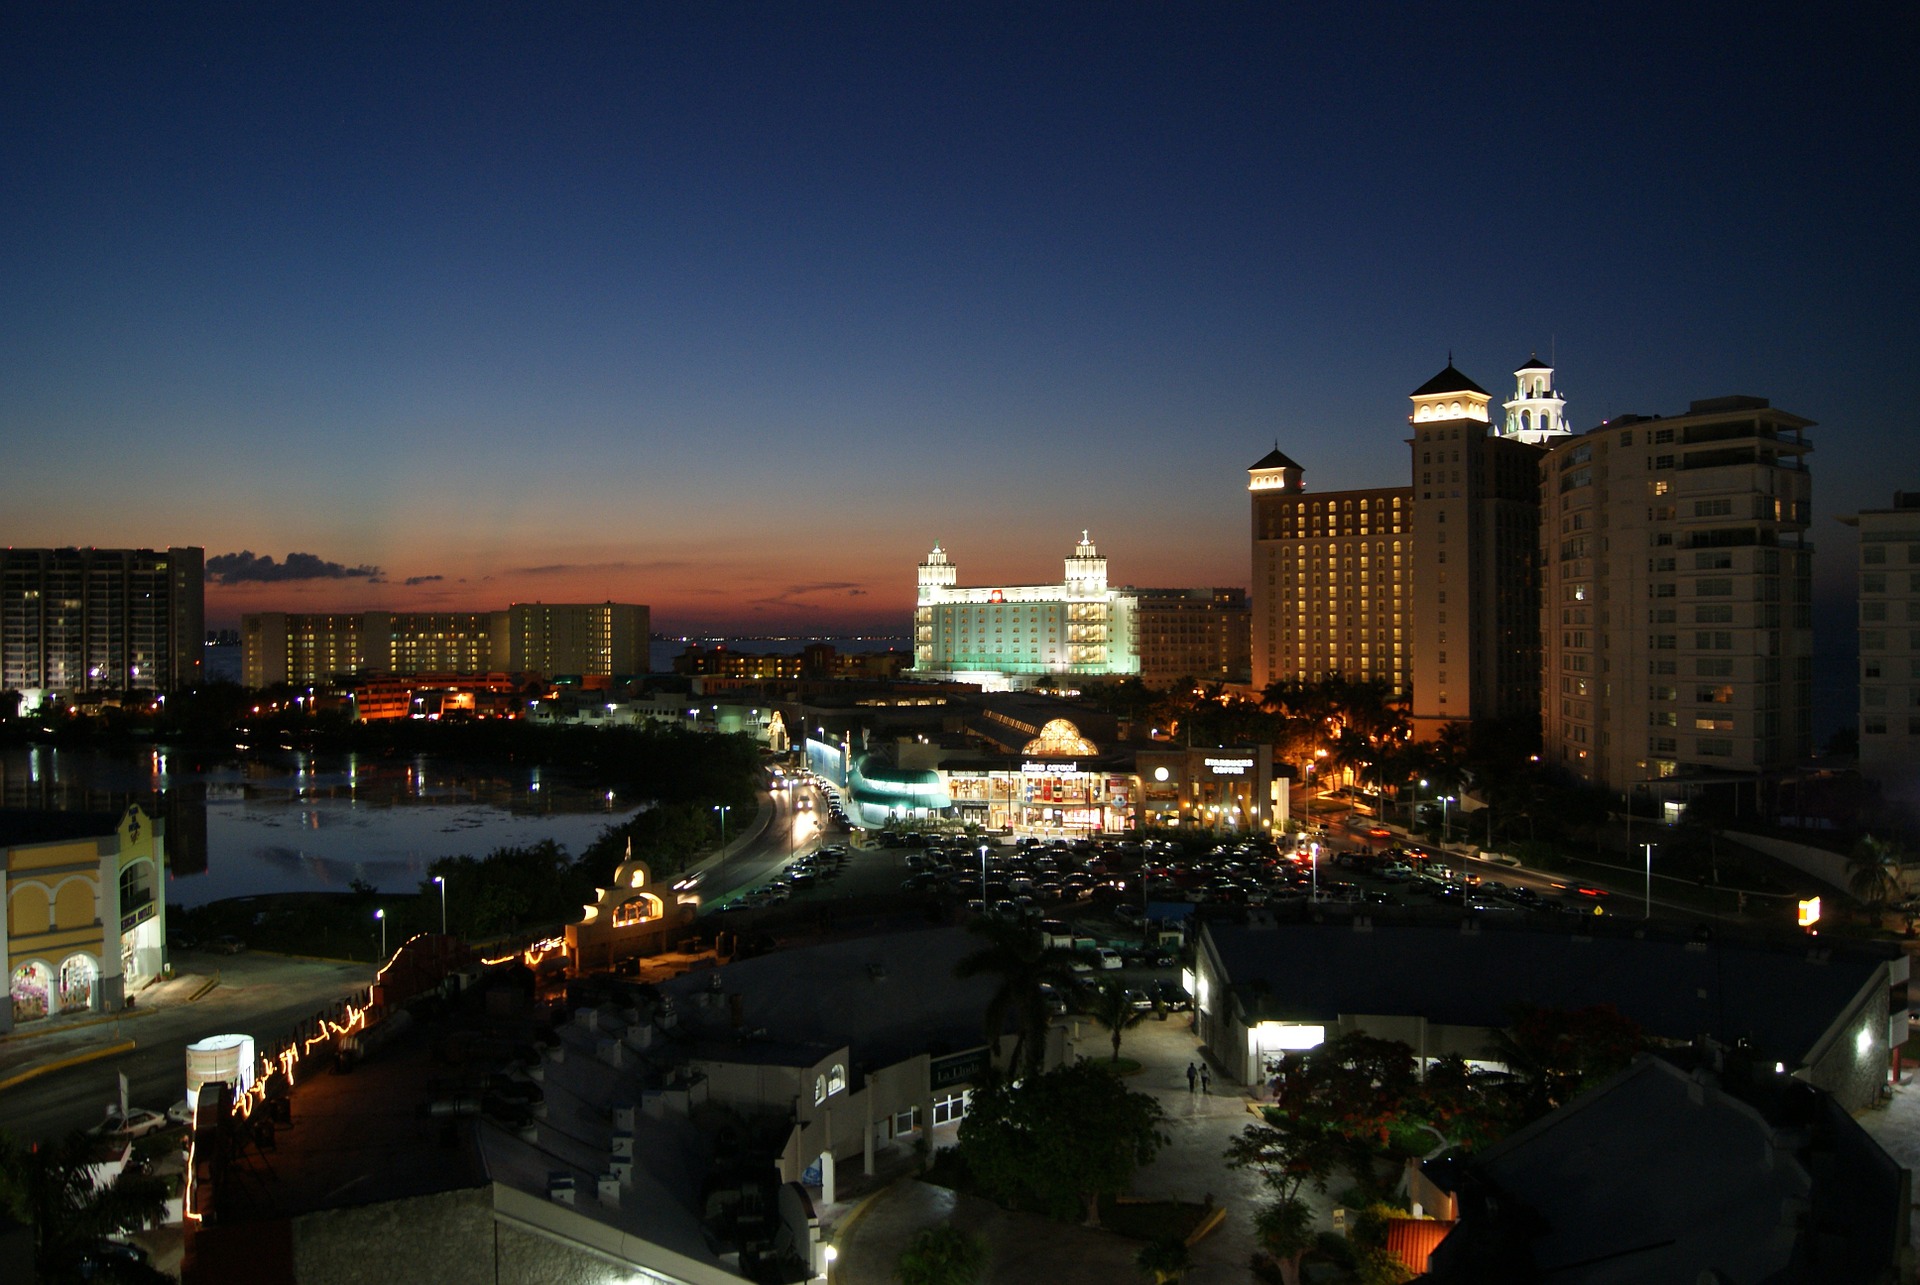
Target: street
261 995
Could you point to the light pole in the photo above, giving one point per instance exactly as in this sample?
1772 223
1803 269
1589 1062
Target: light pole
381 915
1413 816
1446 819
1649 850
827 1254
1309 799
442 881
983 878
722 809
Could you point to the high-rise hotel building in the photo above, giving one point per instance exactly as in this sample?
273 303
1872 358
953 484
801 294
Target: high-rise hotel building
1330 577
1474 598
78 621
1428 588
1677 593
1008 636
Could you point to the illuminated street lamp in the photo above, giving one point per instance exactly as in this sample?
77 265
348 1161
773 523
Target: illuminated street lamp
722 809
442 881
1649 850
381 915
1446 820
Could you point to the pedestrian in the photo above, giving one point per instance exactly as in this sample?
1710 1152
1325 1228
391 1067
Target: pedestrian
1206 1082
1193 1076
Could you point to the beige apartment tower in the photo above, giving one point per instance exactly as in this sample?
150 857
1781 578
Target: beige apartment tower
1677 597
1330 577
1890 645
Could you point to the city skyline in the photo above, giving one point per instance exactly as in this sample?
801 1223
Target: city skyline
737 312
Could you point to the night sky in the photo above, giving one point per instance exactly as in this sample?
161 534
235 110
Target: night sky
735 309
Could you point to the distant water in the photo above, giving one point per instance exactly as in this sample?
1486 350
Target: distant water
661 651
283 821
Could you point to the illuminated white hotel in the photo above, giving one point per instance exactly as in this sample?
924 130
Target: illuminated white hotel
1012 635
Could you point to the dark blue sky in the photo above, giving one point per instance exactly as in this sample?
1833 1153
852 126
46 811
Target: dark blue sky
736 309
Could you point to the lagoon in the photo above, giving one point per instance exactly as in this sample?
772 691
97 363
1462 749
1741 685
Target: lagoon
287 821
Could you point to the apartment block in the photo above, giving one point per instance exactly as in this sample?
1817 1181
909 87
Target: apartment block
1890 644
79 621
1677 596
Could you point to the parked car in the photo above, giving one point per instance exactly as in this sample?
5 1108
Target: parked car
1107 957
137 1123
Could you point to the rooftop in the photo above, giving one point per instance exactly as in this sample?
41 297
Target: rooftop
1781 1001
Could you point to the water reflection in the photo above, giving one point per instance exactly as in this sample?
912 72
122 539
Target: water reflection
286 821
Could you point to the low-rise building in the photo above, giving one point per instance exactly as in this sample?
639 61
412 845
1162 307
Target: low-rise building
86 922
1833 1016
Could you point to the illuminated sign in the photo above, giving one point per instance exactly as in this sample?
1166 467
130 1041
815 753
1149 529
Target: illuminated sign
957 1068
996 596
133 919
1810 912
1051 769
1229 767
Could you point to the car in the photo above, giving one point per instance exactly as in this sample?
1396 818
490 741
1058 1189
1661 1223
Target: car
227 944
1108 957
137 1123
1172 996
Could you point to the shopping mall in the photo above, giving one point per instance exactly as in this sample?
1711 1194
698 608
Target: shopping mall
1056 784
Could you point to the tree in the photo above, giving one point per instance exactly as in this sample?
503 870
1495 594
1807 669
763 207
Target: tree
1284 1227
55 1187
1553 1055
1877 876
1165 1259
1113 1008
1018 956
1060 1140
942 1255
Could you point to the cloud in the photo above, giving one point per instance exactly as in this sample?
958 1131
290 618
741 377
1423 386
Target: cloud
247 567
792 595
410 581
575 568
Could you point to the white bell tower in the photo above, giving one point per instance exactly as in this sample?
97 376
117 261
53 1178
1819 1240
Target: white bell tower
937 573
1086 571
1537 413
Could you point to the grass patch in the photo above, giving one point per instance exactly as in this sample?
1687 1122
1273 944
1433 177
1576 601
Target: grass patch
1124 1066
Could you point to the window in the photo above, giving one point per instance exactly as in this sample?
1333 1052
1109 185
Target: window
951 1109
1873 554
1720 508
1719 614
1715 747
1716 587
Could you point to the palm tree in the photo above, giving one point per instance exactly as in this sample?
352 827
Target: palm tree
942 1255
1113 1008
1016 955
1165 1259
54 1187
1877 873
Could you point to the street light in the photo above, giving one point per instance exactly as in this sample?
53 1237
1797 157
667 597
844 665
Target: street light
827 1254
1446 821
381 915
442 881
1649 850
722 809
1413 816
983 878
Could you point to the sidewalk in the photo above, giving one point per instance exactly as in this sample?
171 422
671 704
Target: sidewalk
47 1044
1024 1247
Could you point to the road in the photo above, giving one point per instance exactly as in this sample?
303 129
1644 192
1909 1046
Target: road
264 996
794 831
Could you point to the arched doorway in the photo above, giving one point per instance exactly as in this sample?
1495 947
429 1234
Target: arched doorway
79 981
32 991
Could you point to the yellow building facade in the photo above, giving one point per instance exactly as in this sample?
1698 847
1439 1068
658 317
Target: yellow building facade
86 912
